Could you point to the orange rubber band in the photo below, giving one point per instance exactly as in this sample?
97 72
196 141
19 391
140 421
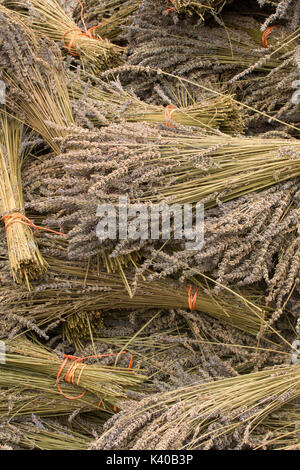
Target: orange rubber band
70 375
10 219
266 34
169 110
79 33
130 362
170 9
192 300
99 405
67 379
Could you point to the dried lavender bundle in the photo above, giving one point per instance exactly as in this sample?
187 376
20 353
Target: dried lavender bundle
268 65
25 260
174 357
185 49
50 20
216 415
245 263
150 164
34 76
231 261
100 103
252 239
71 291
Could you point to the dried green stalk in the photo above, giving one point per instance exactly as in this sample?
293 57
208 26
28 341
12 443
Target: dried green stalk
25 259
180 167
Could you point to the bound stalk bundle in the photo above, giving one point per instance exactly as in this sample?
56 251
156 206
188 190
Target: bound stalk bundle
180 167
216 415
35 80
159 352
169 354
108 383
110 102
275 93
258 67
173 167
148 342
52 21
212 113
73 291
25 259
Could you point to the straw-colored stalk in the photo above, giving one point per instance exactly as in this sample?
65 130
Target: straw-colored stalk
207 414
106 383
25 259
95 53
